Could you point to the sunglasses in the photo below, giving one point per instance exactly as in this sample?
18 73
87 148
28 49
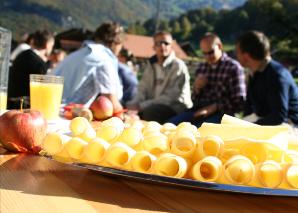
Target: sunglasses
159 43
211 52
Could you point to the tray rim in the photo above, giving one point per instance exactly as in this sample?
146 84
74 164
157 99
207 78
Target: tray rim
185 182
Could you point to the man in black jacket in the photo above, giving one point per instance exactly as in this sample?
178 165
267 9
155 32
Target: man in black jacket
32 61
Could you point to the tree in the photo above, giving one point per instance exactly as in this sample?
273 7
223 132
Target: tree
137 28
149 25
176 29
164 26
185 28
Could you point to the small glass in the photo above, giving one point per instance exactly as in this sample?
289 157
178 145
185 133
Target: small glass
5 41
46 94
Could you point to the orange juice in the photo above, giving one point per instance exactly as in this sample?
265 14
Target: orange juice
3 101
46 95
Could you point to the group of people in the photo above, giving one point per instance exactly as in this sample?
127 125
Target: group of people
164 94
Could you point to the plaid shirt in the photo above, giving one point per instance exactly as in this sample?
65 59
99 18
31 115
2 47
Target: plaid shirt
225 87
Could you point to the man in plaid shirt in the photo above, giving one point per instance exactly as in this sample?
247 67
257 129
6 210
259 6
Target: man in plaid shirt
219 87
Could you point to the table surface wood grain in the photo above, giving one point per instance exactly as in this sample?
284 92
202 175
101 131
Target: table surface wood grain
31 183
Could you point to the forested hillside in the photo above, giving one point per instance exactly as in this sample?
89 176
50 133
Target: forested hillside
276 18
28 15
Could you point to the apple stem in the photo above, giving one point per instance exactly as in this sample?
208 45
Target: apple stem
22 102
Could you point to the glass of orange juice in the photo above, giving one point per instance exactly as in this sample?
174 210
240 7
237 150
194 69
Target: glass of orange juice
3 99
46 94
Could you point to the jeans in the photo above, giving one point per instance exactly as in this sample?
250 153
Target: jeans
157 112
188 116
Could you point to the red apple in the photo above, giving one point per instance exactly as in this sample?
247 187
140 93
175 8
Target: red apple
22 131
102 108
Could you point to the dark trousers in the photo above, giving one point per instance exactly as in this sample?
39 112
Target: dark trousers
188 116
16 102
157 112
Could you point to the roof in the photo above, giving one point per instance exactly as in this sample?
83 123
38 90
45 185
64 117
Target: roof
142 46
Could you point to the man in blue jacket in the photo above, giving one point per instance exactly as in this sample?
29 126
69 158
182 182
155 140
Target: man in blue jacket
272 93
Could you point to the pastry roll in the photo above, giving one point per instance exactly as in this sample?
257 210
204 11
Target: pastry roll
183 144
211 145
239 170
291 175
209 169
142 161
75 147
171 165
95 151
118 155
270 174
53 143
62 156
131 136
109 133
80 127
155 144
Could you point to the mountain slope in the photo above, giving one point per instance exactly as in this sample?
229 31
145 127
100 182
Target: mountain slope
28 15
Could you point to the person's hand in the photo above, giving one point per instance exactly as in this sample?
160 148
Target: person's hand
119 115
133 107
205 111
131 116
200 82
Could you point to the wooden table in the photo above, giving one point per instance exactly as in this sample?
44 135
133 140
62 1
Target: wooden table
36 184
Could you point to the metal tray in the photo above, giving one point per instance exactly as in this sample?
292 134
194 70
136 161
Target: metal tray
183 182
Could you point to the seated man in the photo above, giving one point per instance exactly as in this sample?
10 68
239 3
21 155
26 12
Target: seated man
93 69
30 61
272 92
219 87
164 89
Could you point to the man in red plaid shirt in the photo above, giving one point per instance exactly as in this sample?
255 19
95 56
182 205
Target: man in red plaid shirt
219 87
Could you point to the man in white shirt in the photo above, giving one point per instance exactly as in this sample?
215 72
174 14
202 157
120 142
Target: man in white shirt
93 69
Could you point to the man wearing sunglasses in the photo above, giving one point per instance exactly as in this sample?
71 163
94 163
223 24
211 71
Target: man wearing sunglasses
219 86
164 89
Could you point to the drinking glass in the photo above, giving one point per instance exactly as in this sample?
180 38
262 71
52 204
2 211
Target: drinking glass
5 41
46 94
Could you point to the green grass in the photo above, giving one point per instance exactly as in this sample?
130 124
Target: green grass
296 80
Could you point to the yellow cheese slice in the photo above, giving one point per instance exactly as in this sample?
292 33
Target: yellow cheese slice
227 119
231 131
